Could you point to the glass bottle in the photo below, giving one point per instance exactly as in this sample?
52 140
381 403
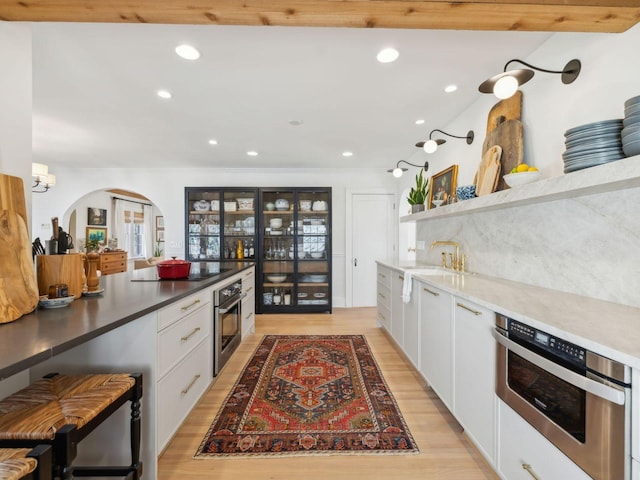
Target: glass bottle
240 250
252 251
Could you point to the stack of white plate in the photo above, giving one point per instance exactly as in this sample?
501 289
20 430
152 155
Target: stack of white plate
631 130
592 144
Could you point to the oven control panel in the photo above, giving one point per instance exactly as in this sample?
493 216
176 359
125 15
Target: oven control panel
553 345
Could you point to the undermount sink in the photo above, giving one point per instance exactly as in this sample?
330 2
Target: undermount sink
432 271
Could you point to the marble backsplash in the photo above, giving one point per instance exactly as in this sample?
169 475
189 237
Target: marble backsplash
589 245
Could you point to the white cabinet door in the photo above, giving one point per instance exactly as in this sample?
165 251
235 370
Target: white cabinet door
523 451
474 380
411 316
397 324
436 332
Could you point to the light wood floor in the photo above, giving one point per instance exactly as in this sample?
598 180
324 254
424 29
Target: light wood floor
445 453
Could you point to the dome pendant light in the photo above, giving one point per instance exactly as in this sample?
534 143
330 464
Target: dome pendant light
507 83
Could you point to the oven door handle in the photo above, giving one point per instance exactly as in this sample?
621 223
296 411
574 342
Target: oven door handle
229 307
592 386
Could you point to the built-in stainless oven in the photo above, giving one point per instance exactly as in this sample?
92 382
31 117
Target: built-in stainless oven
227 323
579 400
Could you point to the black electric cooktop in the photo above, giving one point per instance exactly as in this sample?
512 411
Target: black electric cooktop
151 275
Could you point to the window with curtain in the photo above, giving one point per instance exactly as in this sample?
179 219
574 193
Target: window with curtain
133 228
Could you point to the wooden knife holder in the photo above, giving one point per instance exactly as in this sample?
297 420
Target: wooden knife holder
54 269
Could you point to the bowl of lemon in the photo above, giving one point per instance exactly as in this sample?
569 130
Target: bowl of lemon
521 175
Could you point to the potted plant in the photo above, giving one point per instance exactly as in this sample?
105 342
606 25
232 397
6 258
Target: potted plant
418 194
157 252
92 245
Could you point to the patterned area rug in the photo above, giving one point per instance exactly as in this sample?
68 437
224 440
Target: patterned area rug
309 395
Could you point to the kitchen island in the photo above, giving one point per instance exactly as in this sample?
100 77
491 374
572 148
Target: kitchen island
162 329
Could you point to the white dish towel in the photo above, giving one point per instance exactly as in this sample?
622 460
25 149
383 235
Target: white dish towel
406 287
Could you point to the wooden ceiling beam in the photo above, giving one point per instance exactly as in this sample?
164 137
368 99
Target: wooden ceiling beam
499 15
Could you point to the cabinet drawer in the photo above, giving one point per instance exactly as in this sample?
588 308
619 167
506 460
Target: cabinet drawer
179 391
176 341
384 317
384 276
384 295
183 307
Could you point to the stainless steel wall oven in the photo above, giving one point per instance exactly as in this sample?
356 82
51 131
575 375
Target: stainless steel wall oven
579 400
227 323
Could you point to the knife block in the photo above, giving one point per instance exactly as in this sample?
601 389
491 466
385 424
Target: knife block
54 269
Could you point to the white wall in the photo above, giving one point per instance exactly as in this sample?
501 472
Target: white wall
165 188
15 103
587 245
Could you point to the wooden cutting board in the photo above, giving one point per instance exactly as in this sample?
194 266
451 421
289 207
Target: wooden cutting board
487 175
507 109
510 136
12 195
18 286
67 269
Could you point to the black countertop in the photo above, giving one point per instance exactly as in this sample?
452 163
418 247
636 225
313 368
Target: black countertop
44 333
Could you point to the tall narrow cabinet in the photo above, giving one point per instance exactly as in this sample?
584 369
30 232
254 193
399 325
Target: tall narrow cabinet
294 263
221 223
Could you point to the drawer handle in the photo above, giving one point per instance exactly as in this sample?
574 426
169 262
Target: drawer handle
187 307
381 295
382 275
400 277
383 317
529 470
249 289
435 294
248 316
475 312
195 330
195 379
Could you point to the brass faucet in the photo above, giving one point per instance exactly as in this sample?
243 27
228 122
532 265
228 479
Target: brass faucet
456 263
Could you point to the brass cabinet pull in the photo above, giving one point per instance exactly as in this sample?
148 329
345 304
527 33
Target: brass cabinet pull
187 307
400 277
195 379
381 295
195 330
249 289
248 316
383 317
529 470
435 294
475 312
382 275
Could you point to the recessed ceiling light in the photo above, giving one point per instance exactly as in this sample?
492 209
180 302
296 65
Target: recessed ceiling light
450 88
164 93
387 55
252 153
213 142
187 52
347 154
296 123
420 121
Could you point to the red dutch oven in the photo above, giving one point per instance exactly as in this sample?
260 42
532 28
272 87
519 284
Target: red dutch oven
173 268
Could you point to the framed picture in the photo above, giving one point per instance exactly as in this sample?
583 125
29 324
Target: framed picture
443 186
97 216
159 235
97 233
159 223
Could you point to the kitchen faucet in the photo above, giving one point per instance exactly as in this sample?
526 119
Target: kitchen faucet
456 263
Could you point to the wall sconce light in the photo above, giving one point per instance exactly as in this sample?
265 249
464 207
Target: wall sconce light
43 180
398 171
431 145
507 83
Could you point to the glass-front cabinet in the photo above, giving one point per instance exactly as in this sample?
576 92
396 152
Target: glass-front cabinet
221 223
294 263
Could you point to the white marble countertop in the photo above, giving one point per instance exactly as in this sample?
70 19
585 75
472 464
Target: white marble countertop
607 328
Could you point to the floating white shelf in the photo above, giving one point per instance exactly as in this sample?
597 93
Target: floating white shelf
613 176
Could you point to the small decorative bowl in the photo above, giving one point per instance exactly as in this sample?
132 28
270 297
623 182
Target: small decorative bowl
270 206
282 204
521 178
465 192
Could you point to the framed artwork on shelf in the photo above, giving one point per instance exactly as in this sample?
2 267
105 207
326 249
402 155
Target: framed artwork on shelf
97 233
443 186
97 216
159 222
159 236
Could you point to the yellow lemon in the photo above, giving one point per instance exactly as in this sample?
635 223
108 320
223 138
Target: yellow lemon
532 169
523 167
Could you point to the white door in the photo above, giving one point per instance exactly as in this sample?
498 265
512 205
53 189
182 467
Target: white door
372 233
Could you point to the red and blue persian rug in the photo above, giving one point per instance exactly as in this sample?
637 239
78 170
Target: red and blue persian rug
309 395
